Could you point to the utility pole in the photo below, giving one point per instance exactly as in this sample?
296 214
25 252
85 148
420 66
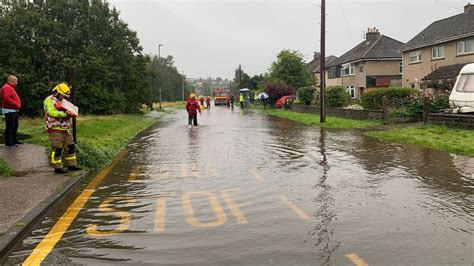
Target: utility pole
322 81
182 85
159 57
240 77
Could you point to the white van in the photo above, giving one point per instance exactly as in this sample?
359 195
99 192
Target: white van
461 99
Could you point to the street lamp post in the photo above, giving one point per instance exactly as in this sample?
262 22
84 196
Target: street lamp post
182 85
159 57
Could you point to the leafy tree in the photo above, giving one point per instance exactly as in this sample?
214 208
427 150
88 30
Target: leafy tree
276 90
42 41
290 68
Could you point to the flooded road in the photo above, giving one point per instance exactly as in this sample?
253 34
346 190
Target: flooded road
245 188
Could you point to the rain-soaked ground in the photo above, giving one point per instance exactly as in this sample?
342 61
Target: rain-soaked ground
245 188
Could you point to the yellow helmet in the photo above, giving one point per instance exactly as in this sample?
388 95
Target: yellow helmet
192 95
62 89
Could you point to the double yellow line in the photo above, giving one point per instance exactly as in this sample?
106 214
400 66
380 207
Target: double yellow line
52 238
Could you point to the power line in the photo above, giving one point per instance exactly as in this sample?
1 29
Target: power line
444 4
347 22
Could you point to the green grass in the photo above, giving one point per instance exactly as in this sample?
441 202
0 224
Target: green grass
99 138
313 120
459 141
5 169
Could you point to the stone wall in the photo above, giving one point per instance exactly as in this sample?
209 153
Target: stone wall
451 120
339 112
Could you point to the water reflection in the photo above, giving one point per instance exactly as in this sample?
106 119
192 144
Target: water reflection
323 231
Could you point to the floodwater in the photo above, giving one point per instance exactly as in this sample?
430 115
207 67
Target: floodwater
245 188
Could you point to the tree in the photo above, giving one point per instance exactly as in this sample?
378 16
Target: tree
290 68
53 37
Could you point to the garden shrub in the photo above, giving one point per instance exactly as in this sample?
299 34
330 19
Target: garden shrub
336 96
306 95
396 97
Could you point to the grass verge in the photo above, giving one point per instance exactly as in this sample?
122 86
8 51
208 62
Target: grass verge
100 138
313 120
5 169
459 141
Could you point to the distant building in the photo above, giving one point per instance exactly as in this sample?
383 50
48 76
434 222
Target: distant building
440 50
315 65
375 62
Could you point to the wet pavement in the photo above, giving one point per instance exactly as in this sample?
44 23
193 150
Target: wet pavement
245 188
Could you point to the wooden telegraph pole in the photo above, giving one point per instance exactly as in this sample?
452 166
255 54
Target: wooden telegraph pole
322 82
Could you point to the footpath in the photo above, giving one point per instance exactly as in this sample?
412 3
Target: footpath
31 190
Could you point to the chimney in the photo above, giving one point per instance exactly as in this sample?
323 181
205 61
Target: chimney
316 55
468 8
372 34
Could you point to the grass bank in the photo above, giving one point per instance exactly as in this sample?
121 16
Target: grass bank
5 169
459 141
313 120
99 137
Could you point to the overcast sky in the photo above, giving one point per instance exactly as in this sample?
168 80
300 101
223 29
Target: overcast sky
211 38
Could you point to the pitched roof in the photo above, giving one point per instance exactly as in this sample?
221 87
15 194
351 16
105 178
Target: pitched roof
445 72
382 47
452 28
329 59
315 65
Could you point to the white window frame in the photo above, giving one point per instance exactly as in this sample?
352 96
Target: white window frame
350 67
351 90
436 52
461 47
361 65
400 67
418 57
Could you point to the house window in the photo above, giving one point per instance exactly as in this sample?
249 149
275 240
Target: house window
437 52
400 67
348 69
415 57
351 91
361 68
332 73
466 47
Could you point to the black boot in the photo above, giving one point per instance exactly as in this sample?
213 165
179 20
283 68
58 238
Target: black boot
60 171
74 168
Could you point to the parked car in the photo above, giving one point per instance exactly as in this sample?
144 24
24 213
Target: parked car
461 99
280 102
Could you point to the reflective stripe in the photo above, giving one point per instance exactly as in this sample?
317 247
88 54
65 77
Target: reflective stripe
53 161
71 158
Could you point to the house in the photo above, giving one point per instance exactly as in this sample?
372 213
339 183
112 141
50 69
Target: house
314 66
375 62
440 50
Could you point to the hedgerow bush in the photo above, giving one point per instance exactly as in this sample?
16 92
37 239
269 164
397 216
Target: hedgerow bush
396 97
336 96
306 94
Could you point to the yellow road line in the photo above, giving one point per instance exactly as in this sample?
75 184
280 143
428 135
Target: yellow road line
356 259
298 211
132 178
256 175
52 238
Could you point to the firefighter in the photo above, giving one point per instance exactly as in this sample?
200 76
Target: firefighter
192 106
208 102
58 124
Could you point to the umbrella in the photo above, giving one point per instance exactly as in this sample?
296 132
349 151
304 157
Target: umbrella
263 95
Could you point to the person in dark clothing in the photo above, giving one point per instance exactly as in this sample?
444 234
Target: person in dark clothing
232 100
192 106
11 105
208 102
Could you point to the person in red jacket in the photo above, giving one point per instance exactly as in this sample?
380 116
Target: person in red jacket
11 104
192 106
208 102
